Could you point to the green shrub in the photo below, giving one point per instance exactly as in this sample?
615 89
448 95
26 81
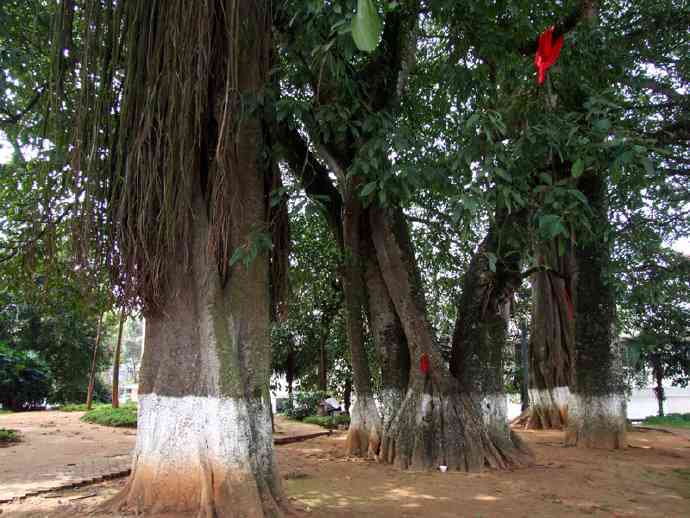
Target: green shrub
74 391
125 416
8 436
304 404
329 422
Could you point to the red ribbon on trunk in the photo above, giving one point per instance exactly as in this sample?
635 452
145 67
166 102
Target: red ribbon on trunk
547 52
424 364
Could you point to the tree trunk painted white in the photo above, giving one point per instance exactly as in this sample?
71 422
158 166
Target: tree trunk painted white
495 413
597 421
204 443
596 412
364 433
550 405
205 454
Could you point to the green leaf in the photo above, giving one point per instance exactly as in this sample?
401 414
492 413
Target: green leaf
472 121
368 188
648 166
236 256
470 204
366 26
502 173
492 261
550 226
546 178
578 168
602 125
578 194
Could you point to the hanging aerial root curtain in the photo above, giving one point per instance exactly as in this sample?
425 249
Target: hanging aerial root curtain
547 52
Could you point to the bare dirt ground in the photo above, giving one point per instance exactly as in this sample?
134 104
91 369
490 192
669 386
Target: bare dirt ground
650 478
57 449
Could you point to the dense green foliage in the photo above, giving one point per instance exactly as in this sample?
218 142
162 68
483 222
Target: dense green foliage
52 323
25 382
124 416
467 137
304 404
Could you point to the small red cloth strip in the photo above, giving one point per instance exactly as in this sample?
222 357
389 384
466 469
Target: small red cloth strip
424 364
547 52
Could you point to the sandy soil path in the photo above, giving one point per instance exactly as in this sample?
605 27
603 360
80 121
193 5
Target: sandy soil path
58 449
651 478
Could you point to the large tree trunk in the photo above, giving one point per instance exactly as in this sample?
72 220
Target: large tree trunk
436 424
596 410
481 327
364 433
92 370
388 335
552 341
204 442
116 360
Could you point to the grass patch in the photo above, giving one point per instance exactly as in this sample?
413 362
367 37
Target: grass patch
329 422
671 420
106 415
4 411
683 473
80 407
8 436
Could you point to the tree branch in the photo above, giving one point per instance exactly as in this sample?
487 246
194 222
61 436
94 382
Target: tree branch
541 268
562 26
14 119
312 175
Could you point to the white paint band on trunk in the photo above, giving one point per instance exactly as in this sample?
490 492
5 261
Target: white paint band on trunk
558 397
364 412
391 401
184 431
494 408
608 408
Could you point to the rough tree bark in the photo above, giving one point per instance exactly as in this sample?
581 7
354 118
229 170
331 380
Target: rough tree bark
116 360
388 334
204 442
552 341
92 370
436 424
596 409
364 433
481 327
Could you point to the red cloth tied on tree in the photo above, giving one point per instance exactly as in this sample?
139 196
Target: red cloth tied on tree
547 52
424 364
